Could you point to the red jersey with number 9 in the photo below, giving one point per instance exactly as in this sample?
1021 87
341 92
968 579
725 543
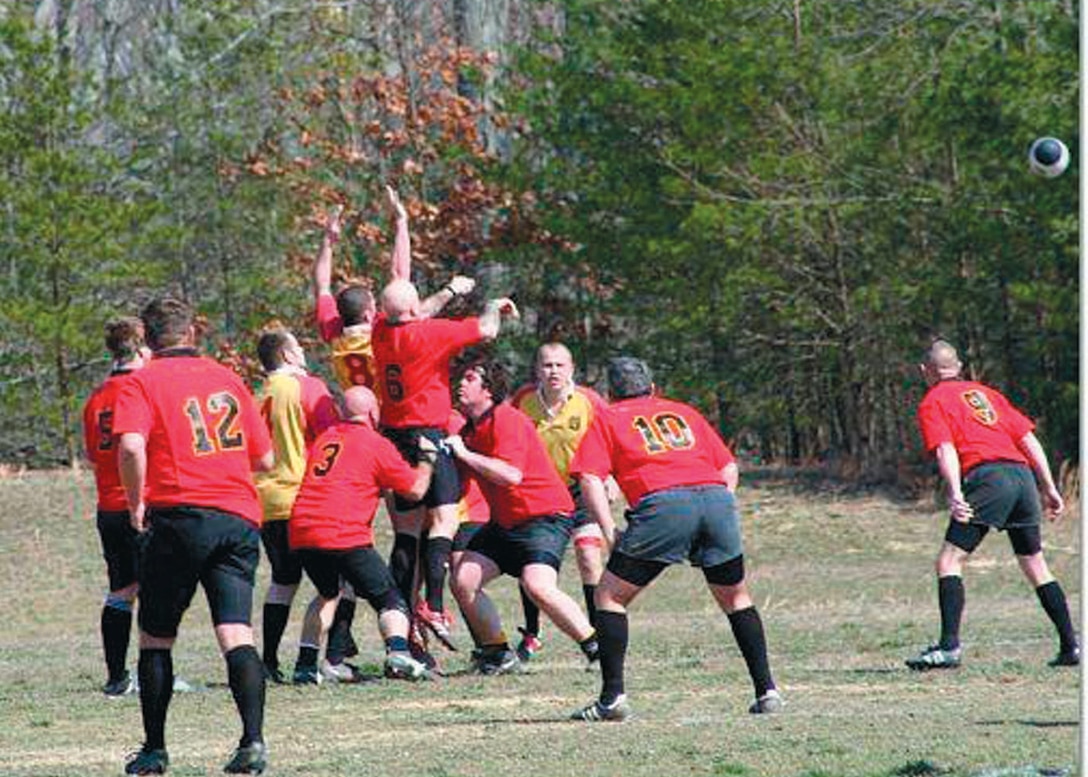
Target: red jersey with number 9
978 420
414 368
349 465
648 444
203 431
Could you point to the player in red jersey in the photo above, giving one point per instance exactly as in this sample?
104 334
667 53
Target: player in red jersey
190 437
562 411
530 522
986 451
296 407
125 341
679 478
413 355
331 526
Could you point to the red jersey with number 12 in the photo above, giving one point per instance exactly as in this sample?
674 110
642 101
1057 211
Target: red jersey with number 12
648 444
100 445
203 432
414 368
978 420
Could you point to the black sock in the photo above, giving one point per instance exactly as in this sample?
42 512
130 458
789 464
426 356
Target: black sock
590 646
748 632
246 676
273 625
950 597
532 613
396 645
436 559
340 641
402 565
1052 597
307 657
590 592
116 629
156 672
612 638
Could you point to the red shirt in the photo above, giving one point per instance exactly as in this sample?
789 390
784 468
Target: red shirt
203 432
414 368
649 444
508 434
473 507
349 465
99 443
976 419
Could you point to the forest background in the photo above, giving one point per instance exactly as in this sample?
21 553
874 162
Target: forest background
776 203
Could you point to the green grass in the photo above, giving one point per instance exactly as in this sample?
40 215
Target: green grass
844 583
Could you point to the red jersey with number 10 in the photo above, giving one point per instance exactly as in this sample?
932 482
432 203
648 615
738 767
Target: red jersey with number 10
203 432
100 445
978 420
414 368
348 467
648 444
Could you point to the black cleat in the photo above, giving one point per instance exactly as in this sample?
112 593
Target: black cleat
616 712
1066 658
248 759
148 762
935 657
123 686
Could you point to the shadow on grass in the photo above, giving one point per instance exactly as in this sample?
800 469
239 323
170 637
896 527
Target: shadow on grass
1031 723
827 481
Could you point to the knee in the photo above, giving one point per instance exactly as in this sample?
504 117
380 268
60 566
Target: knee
949 561
1035 569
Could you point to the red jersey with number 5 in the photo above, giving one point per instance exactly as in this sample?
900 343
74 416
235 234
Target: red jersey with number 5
648 444
414 368
100 445
348 467
978 420
203 431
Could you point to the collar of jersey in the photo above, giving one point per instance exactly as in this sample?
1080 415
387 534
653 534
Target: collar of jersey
567 393
177 350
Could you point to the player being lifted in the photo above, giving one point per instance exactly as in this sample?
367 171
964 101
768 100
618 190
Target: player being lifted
679 479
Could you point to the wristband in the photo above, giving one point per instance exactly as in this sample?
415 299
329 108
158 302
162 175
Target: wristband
450 289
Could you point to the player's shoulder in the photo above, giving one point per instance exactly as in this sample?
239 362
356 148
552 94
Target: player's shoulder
523 395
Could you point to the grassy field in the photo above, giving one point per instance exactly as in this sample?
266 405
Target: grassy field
844 582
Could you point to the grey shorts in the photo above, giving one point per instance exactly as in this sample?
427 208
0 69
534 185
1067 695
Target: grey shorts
696 523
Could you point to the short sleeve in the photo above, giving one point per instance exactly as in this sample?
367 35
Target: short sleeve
132 411
933 425
329 323
718 451
456 334
593 456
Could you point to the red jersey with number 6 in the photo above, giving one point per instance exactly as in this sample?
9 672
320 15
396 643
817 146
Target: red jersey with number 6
203 431
414 368
100 445
978 420
648 444
348 467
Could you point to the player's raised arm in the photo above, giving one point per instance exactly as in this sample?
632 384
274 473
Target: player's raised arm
401 263
458 286
323 261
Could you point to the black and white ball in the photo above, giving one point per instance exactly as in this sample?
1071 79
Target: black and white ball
1048 157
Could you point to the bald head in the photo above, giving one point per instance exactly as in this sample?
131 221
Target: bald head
400 300
361 404
941 362
554 369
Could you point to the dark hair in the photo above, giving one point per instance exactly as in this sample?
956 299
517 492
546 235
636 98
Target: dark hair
629 377
166 322
352 304
124 337
270 348
494 374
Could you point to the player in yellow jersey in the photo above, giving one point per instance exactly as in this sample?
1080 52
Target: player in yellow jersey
562 412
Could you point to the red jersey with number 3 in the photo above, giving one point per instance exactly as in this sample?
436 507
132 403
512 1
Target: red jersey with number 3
100 445
348 467
508 434
648 444
978 420
414 368
203 431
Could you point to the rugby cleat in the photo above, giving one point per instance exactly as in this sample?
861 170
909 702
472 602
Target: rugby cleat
768 704
248 759
342 672
124 686
529 645
147 761
495 662
181 685
274 674
306 675
438 623
401 666
1066 658
935 657
616 712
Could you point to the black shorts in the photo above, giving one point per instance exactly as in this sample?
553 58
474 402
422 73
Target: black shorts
445 488
694 523
286 567
540 540
1003 496
119 547
190 545
363 568
465 533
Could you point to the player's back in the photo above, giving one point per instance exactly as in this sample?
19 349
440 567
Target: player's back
977 419
203 430
100 445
